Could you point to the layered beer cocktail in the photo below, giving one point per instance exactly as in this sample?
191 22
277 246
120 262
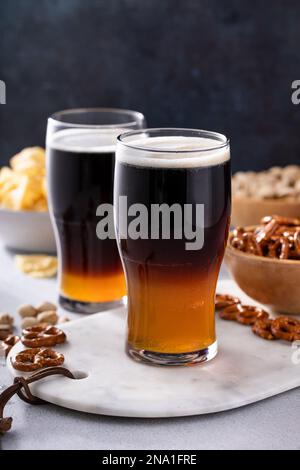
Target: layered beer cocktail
182 178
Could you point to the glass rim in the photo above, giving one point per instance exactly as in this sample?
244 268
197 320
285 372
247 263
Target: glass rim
127 112
221 138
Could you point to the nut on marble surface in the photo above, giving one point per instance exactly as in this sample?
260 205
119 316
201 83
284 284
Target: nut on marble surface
27 310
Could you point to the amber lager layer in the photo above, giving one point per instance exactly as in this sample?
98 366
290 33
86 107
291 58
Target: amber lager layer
171 289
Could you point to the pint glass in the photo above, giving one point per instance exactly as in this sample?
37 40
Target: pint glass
80 171
172 211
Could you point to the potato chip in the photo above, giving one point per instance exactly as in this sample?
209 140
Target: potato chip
40 205
38 266
8 180
6 174
23 186
23 196
31 157
15 198
51 272
44 188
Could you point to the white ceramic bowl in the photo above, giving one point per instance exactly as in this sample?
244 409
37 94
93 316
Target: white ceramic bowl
27 231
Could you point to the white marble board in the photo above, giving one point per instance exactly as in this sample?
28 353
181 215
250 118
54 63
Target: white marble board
246 369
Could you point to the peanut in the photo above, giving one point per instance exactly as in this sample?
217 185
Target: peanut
46 307
273 183
29 321
27 310
6 319
5 330
49 316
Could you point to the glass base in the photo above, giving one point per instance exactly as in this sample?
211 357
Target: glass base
77 306
182 359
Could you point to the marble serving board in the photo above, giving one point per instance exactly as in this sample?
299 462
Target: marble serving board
246 369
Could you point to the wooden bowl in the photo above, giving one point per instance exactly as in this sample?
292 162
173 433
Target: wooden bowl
273 282
249 211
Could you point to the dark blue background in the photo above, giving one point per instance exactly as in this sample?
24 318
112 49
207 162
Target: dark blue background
218 65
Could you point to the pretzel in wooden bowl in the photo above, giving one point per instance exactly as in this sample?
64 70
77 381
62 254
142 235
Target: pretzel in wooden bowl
275 237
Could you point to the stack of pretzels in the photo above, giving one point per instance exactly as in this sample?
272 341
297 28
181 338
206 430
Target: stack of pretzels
39 339
276 237
283 327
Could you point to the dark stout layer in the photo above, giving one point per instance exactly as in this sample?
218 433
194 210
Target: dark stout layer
209 186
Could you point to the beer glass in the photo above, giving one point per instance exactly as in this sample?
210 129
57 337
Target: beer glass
80 148
172 202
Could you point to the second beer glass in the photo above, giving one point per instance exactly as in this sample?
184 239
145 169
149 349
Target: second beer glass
80 170
171 281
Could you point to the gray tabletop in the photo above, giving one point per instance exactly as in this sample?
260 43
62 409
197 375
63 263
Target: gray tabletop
270 424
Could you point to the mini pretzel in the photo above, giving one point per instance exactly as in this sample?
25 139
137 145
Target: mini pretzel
36 358
41 335
25 360
285 248
238 232
282 244
286 230
297 242
277 237
48 357
265 233
254 246
265 220
272 253
224 300
238 243
251 244
230 312
290 221
262 328
286 328
248 314
8 343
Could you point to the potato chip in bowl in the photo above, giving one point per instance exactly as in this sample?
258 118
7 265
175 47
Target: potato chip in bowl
24 218
23 186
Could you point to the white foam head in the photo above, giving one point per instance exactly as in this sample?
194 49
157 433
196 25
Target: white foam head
173 151
84 140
